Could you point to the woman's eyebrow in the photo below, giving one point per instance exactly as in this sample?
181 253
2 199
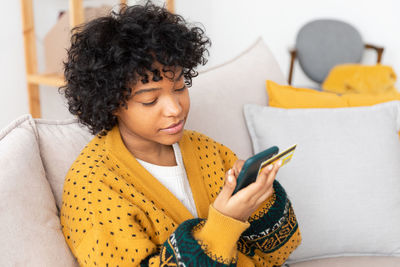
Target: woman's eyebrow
155 88
180 75
146 90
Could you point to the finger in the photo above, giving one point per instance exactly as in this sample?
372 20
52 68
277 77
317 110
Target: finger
265 180
229 187
264 174
255 190
273 172
265 196
237 166
258 188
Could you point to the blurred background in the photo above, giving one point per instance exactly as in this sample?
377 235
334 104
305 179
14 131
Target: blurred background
232 26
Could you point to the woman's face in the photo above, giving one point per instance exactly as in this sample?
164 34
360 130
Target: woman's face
157 111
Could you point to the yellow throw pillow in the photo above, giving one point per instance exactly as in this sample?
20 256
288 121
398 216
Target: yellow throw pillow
357 78
285 96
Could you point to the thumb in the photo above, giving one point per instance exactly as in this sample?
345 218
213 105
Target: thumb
230 184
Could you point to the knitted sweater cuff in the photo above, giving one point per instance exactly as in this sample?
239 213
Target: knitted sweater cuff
219 234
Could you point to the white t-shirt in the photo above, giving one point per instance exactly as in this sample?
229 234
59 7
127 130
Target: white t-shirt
174 178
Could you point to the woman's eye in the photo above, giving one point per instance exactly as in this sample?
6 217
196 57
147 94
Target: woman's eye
150 103
181 89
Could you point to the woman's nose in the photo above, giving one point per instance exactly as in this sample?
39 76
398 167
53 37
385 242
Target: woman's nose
172 106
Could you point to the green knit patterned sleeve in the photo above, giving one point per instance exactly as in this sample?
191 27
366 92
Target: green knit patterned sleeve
274 231
181 249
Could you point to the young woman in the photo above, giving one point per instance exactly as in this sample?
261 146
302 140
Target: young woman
145 191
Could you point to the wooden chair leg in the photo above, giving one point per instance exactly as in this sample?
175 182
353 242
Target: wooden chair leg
292 59
379 51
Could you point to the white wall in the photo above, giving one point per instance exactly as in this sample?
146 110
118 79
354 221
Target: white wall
232 26
13 97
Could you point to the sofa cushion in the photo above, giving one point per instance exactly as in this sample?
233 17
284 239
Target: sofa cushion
343 179
60 143
368 261
218 95
29 224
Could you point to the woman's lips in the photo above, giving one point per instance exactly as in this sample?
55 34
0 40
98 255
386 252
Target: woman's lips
176 128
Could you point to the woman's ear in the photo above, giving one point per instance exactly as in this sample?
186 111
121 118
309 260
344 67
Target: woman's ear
116 113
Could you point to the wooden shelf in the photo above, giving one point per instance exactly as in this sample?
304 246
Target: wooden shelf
34 79
51 79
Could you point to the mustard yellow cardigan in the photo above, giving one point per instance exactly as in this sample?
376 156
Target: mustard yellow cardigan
115 213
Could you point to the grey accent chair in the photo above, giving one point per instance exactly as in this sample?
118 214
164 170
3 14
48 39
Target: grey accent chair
324 43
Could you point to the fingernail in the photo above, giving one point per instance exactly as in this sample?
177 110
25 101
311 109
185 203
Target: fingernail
270 167
230 172
279 163
230 179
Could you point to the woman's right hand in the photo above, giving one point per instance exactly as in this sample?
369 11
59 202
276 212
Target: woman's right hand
241 205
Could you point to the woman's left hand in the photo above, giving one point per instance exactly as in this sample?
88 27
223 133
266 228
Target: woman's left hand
241 205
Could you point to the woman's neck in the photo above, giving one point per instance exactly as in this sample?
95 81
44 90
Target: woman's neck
148 151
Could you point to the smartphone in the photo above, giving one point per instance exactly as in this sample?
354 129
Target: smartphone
254 165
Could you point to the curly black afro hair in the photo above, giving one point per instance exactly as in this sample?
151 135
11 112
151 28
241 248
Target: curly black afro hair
110 54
